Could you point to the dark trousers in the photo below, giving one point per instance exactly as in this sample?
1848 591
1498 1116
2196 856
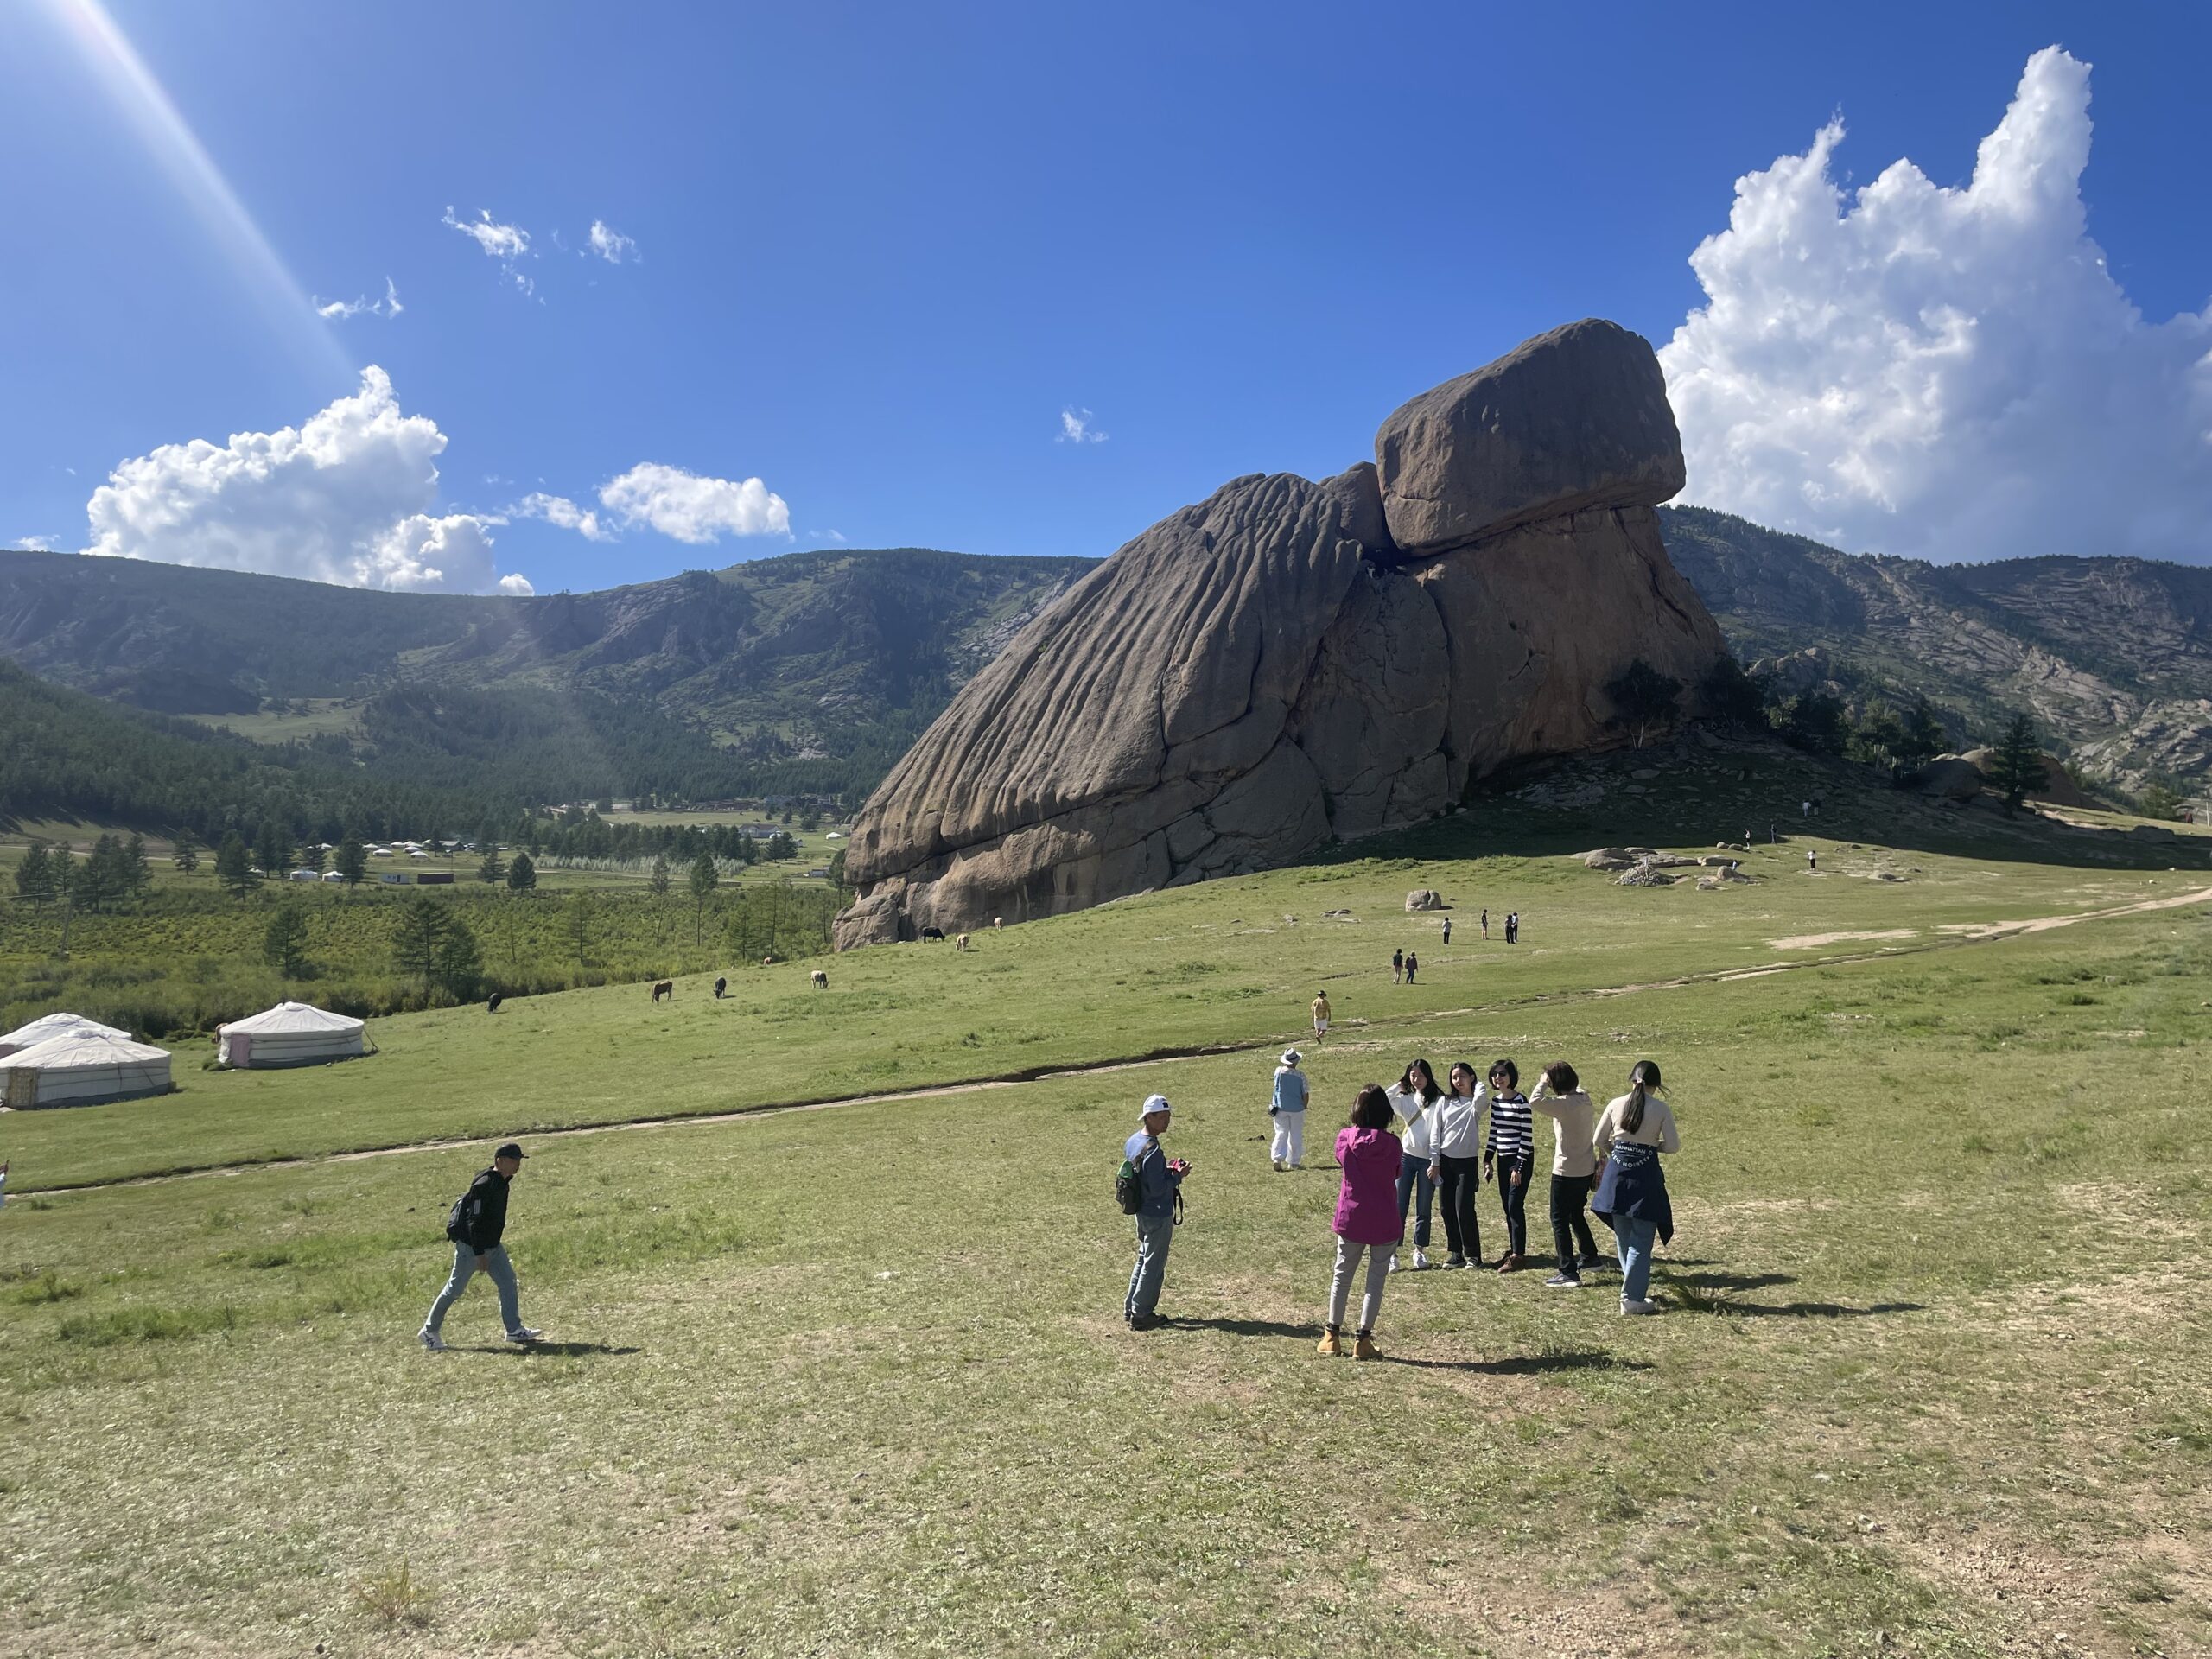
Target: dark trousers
1569 1225
1461 1176
1413 1177
1514 1200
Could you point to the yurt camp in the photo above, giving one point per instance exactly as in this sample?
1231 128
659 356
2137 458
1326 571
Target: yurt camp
291 1034
53 1025
82 1068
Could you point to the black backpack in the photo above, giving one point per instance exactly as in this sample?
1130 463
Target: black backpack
457 1218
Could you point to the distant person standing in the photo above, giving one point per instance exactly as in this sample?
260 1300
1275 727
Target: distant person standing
1807 811
1413 966
1456 1165
1321 1015
3 1186
1485 924
1513 927
1413 1100
1632 1198
1397 967
1812 862
1160 1185
1447 930
1560 1096
1511 1150
1365 1225
1287 1109
477 1225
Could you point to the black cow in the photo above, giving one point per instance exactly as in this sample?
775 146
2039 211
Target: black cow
932 935
720 986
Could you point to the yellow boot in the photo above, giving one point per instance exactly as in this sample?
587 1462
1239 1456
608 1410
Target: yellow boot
1330 1347
1364 1348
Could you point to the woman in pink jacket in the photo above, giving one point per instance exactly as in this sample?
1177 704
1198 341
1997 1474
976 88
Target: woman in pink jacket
1368 1222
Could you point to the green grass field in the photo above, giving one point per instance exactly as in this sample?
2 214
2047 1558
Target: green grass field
853 1380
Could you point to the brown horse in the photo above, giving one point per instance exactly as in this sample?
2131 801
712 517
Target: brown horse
665 988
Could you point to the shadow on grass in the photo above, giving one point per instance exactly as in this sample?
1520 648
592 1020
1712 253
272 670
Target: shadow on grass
1248 1327
1528 1365
1732 1281
1733 1309
550 1349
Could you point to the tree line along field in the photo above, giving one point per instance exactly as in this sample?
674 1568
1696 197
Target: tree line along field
187 955
1934 1379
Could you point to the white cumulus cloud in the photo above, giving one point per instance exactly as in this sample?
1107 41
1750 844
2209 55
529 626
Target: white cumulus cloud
516 584
558 509
1946 373
1075 427
350 495
610 244
692 508
339 310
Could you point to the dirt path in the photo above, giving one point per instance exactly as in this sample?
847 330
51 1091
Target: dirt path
1950 936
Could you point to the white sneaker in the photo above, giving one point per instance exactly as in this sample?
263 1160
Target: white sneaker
525 1336
1420 1259
432 1340
1629 1307
1394 1262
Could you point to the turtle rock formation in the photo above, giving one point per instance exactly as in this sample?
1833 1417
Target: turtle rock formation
1291 663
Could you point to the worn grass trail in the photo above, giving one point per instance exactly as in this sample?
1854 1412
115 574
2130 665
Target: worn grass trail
855 1381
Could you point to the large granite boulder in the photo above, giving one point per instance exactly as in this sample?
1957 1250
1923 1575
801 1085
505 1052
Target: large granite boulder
2058 788
1283 665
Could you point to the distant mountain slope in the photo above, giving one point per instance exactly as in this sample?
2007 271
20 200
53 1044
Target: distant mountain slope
2113 656
809 671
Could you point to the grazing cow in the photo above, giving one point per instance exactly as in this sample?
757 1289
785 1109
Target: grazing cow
962 944
665 988
492 1006
998 922
932 935
820 979
721 985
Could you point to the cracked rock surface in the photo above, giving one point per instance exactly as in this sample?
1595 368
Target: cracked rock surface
1290 662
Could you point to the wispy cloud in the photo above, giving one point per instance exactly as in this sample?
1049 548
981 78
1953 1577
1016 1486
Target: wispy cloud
835 537
562 513
339 310
1075 427
505 243
611 244
36 544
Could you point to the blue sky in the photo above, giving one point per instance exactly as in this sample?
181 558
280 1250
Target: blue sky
877 251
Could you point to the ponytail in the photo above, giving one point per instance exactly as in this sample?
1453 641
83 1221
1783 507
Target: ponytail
1642 1078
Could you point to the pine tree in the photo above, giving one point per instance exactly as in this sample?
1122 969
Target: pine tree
34 875
460 965
2017 768
353 861
522 875
491 872
705 878
420 930
578 922
1923 735
184 852
137 874
234 867
658 881
284 942
103 881
273 849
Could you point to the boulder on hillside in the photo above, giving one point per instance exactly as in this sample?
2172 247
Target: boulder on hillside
1279 666
1951 777
2058 788
1570 421
1424 899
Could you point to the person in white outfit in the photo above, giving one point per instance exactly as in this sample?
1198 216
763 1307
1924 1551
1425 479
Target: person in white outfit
1455 1163
1414 1102
1287 1108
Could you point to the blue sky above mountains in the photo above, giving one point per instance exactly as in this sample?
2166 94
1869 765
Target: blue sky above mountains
508 295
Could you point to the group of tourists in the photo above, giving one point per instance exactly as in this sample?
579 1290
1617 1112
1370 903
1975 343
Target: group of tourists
1421 1146
1404 964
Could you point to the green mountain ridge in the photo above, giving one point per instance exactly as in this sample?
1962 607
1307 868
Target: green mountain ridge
812 672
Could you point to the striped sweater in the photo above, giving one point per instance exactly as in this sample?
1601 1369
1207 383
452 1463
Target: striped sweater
1512 1133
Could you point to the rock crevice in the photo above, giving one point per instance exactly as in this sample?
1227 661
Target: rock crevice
1291 663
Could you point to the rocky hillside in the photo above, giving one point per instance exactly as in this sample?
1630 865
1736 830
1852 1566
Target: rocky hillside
812 670
2113 656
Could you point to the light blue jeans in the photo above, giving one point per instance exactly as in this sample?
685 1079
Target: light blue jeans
1634 1236
1154 1234
464 1267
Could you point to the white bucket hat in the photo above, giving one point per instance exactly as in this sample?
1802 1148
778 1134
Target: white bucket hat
1291 1057
1153 1103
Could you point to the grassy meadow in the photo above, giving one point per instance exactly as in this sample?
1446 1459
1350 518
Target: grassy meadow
1933 1380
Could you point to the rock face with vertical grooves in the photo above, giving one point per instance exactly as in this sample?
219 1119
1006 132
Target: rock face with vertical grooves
1291 663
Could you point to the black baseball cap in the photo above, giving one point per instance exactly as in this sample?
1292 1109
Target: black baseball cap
512 1149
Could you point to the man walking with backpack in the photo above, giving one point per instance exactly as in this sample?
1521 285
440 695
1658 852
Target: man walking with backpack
476 1223
1150 1188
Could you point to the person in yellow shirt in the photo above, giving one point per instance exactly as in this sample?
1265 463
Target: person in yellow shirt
1321 1015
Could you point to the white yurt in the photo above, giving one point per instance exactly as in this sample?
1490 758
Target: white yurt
82 1068
54 1025
291 1034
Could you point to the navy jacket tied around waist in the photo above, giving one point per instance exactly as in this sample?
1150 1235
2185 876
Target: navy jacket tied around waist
1633 1184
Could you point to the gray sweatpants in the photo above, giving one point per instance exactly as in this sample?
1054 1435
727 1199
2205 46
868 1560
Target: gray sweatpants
464 1269
1154 1234
1378 1275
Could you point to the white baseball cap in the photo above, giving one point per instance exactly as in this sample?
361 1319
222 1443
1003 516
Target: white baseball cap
1153 1103
1291 1057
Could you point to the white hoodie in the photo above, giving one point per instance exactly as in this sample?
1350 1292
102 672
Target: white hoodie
1459 1125
1419 1120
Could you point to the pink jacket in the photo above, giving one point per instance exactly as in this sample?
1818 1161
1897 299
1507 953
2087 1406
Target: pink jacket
1367 1206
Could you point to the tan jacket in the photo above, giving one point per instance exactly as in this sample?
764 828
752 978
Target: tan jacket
1574 1122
